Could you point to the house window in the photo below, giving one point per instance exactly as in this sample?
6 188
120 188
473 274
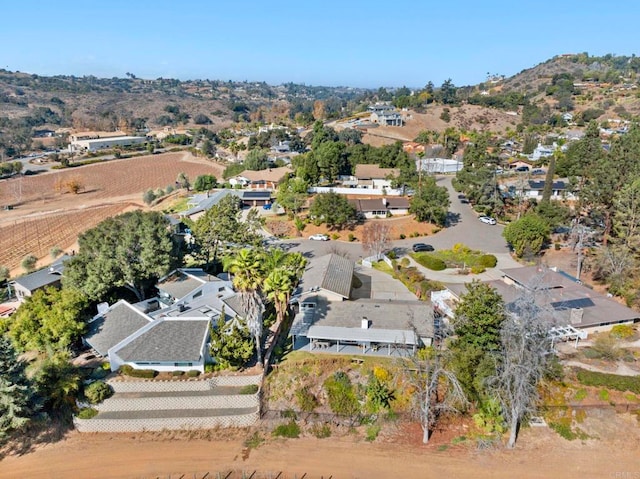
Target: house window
178 365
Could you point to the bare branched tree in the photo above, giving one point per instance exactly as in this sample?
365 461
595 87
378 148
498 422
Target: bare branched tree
524 356
376 238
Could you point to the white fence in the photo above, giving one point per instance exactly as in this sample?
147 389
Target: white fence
368 261
356 191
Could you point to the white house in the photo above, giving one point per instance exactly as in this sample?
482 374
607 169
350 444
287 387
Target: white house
169 332
438 165
106 143
374 177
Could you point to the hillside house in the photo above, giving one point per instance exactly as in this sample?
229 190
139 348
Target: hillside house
569 301
268 179
26 285
169 332
385 114
329 276
559 190
373 177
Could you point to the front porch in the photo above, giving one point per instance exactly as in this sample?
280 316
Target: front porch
300 343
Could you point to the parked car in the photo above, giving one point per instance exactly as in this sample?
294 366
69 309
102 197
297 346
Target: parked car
418 247
319 237
538 171
522 169
488 220
464 201
266 206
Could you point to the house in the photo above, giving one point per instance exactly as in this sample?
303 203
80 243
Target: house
542 151
381 207
201 203
559 190
438 165
385 114
570 302
169 332
329 276
28 284
268 179
374 177
365 326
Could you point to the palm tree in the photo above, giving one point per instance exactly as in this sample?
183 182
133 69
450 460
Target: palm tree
277 288
248 275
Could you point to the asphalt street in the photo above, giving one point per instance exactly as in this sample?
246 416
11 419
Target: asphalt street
463 227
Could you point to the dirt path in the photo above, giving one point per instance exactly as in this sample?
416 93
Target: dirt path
128 456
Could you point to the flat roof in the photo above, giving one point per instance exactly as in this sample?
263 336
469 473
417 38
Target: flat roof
387 336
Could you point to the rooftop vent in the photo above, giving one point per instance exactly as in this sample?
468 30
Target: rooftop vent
365 324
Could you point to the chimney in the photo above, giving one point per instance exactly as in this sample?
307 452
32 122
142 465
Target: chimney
364 323
385 202
102 308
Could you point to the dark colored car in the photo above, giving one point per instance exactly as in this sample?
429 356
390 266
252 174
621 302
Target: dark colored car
418 247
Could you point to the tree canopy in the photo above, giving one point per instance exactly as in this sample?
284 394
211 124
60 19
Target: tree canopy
132 250
528 234
332 209
430 202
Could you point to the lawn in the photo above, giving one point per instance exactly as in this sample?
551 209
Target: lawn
460 256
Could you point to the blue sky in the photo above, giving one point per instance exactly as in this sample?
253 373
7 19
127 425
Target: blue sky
317 42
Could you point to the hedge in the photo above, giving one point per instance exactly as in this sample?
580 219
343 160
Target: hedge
488 261
611 381
97 392
430 262
87 413
138 373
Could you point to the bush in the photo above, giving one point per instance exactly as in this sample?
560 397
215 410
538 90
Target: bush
290 430
177 373
372 432
488 261
97 392
137 373
335 236
610 381
29 263
249 389
477 269
87 413
622 331
392 254
341 395
404 262
194 373
429 261
321 431
351 237
402 236
99 373
606 347
306 400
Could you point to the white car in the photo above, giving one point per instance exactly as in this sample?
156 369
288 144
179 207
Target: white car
488 220
319 237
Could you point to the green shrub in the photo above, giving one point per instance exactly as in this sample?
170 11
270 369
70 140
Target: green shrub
622 331
177 373
193 373
402 236
603 394
488 261
477 269
306 400
580 394
290 430
97 392
392 255
372 432
249 389
404 262
351 237
429 261
289 414
321 431
98 373
607 348
87 413
341 395
335 236
137 373
610 381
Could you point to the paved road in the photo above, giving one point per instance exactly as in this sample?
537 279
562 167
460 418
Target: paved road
463 227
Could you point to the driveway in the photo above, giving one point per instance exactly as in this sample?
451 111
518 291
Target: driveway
379 285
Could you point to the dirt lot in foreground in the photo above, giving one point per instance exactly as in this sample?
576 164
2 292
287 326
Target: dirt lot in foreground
540 454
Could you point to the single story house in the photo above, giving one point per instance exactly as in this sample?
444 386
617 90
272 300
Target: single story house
28 284
169 332
559 190
365 326
570 302
268 179
374 177
202 202
381 207
329 276
105 143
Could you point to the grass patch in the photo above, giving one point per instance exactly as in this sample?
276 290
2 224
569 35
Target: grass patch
372 432
321 431
180 204
580 394
609 381
603 395
254 441
290 430
462 256
458 440
565 431
383 266
249 389
429 261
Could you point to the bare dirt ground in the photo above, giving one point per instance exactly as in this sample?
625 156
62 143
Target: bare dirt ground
540 454
44 218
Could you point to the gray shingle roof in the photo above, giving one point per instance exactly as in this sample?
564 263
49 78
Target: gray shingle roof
178 284
118 323
169 340
331 273
44 277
